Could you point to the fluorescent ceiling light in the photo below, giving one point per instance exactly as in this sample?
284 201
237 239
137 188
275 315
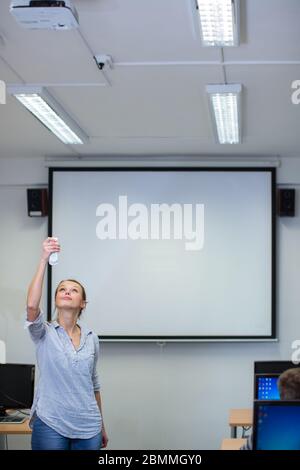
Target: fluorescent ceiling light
219 22
225 103
43 106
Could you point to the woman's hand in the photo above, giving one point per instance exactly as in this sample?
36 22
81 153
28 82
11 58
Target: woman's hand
104 438
50 245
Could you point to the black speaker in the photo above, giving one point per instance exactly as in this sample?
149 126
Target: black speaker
37 202
286 202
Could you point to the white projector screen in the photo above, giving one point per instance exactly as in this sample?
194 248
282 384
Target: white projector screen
168 253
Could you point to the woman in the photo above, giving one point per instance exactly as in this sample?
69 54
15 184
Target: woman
66 413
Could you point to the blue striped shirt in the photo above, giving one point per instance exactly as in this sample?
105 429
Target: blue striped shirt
64 398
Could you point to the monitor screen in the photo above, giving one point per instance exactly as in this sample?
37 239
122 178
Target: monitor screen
276 425
266 387
16 386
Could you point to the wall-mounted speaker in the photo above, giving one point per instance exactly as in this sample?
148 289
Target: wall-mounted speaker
286 202
37 202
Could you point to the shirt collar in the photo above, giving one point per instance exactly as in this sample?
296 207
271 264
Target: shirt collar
84 330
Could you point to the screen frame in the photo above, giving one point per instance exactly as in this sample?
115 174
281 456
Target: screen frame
258 403
273 367
166 338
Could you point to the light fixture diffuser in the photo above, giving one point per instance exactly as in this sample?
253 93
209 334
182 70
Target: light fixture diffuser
225 103
219 21
46 109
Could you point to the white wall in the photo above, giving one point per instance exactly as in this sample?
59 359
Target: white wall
175 396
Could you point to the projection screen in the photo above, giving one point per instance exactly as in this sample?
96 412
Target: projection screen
179 254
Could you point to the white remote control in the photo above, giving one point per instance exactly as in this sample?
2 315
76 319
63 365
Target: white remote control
53 258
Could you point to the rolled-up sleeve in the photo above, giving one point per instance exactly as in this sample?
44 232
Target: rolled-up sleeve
36 328
96 382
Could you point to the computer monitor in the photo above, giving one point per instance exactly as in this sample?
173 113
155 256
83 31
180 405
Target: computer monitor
273 367
16 386
276 425
265 387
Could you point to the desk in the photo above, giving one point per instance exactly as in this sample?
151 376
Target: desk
232 444
239 417
13 428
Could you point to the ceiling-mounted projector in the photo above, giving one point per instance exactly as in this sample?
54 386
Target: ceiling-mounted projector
42 14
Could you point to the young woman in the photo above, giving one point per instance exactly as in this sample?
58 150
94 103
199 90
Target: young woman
66 413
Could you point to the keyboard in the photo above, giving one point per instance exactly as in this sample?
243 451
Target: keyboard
12 419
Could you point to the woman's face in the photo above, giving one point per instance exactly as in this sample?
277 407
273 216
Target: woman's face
69 296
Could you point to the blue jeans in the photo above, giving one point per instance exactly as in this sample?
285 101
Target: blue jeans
45 438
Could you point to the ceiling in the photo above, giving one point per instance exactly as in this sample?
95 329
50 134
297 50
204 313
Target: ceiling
153 101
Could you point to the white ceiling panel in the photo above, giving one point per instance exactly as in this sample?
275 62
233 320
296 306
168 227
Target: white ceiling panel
145 102
269 31
135 30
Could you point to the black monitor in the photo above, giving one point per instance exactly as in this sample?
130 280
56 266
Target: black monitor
273 367
16 386
266 387
276 425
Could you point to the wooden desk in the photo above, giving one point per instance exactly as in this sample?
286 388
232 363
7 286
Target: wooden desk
232 444
239 417
12 428
15 428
